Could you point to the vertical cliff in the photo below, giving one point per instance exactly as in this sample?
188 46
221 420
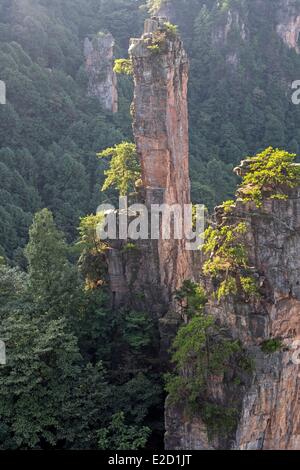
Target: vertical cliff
254 403
160 126
147 275
266 396
99 62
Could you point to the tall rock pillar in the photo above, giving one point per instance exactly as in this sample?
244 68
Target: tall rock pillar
160 107
99 62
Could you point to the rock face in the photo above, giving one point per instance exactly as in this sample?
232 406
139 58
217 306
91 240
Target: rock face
147 275
232 21
166 10
269 404
288 26
161 134
99 61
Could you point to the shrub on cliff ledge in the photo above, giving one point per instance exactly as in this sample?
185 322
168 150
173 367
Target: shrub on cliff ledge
200 350
270 173
123 66
124 167
160 37
228 262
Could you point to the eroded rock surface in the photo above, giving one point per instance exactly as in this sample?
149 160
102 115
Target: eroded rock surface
288 26
269 410
99 62
161 134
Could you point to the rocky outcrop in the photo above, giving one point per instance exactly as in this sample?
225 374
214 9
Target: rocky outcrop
145 274
161 134
99 62
166 10
266 393
288 26
231 21
268 401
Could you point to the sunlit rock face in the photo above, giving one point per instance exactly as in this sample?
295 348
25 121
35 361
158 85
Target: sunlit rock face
147 277
99 62
288 26
161 134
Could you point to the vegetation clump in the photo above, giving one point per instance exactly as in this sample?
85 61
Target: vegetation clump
200 350
92 252
160 37
123 66
270 173
124 167
228 262
271 346
220 420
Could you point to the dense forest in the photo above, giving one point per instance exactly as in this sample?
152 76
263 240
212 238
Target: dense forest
50 130
90 378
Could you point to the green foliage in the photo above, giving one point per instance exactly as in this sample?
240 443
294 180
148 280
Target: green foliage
77 372
92 251
269 173
119 436
154 5
271 346
200 351
158 42
124 169
53 397
88 239
228 260
50 130
227 206
220 421
130 247
249 286
123 66
227 288
171 30
192 299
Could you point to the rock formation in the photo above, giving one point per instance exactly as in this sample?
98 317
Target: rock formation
288 26
147 275
268 403
161 134
99 62
166 10
231 21
266 397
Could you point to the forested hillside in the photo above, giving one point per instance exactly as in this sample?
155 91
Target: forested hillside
82 374
50 131
241 72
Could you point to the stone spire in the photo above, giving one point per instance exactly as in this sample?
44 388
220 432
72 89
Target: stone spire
99 62
160 126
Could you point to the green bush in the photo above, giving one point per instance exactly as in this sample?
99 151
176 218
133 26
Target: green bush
199 351
124 168
123 66
270 172
272 345
228 258
220 420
